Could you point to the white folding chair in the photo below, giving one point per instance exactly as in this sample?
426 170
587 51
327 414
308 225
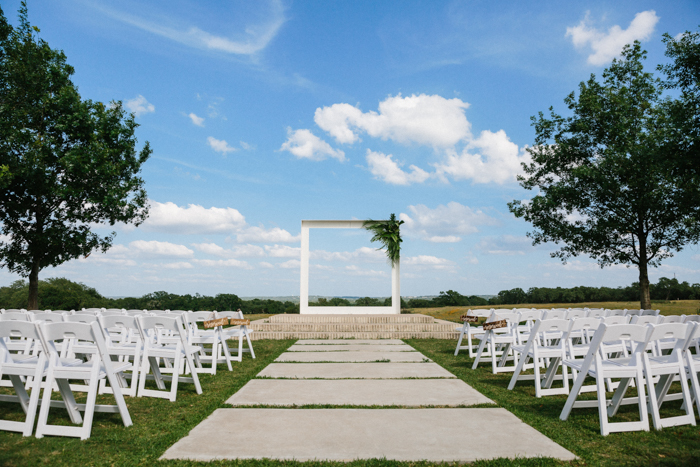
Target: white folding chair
627 368
123 341
23 367
469 330
206 337
157 347
98 367
666 367
233 332
545 344
597 313
500 338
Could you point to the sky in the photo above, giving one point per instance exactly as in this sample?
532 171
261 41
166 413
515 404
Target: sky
261 114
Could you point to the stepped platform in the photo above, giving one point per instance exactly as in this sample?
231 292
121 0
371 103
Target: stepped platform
408 326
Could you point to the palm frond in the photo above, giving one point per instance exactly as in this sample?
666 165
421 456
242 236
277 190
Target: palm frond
388 233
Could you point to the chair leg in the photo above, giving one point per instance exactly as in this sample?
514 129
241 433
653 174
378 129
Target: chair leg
482 344
461 336
250 344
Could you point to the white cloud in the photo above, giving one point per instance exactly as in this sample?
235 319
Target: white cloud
606 46
357 271
260 235
154 248
383 167
428 261
219 263
422 119
362 253
238 251
283 251
199 121
305 145
266 265
139 106
496 159
220 145
444 224
193 219
508 245
178 265
291 264
253 39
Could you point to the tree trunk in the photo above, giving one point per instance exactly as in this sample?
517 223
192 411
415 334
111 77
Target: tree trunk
645 299
33 302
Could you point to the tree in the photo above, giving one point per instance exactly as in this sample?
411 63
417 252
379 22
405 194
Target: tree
606 187
388 233
72 162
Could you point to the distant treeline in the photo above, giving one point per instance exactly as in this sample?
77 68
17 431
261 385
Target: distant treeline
664 289
63 294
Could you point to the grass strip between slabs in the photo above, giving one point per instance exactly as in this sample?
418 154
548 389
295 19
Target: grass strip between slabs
580 434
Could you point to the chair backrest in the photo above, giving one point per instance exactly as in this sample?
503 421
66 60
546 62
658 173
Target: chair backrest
651 312
692 319
15 316
575 313
633 312
51 332
555 314
597 313
582 328
161 323
628 333
615 312
89 312
550 326
530 315
120 310
136 312
48 317
671 319
80 318
239 314
125 323
113 313
13 310
616 320
682 332
19 329
640 319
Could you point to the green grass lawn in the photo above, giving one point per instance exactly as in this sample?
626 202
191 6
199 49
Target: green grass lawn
581 432
672 307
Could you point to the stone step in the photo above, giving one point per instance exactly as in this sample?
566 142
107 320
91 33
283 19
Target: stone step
350 327
355 319
262 334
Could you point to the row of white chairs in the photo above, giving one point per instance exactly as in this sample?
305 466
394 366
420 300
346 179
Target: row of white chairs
638 350
470 331
163 347
216 337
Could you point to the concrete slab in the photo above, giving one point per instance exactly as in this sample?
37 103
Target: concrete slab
366 356
349 341
347 348
462 435
355 370
405 392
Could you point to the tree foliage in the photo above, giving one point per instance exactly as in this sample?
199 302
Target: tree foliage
604 181
72 163
388 233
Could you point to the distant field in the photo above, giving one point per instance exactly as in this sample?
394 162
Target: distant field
674 307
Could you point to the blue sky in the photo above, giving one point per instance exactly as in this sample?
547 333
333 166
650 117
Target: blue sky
261 114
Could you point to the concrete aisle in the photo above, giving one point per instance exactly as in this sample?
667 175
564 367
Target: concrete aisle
328 373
